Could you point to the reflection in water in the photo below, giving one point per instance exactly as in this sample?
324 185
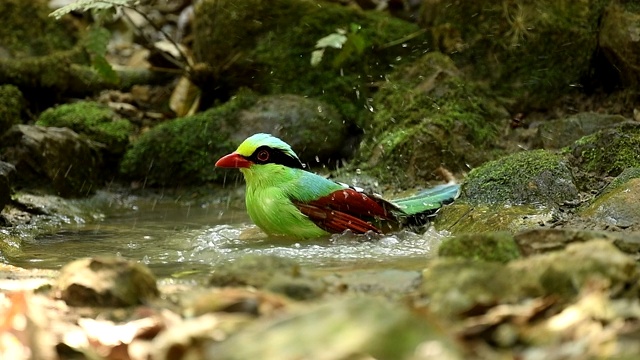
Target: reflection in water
173 238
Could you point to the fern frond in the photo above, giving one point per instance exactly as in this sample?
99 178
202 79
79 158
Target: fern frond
85 5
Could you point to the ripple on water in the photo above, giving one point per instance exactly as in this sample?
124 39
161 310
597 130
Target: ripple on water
225 242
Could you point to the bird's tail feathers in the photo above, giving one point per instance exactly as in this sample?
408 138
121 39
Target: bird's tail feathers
428 201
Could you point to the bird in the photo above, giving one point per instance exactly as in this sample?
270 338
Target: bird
284 199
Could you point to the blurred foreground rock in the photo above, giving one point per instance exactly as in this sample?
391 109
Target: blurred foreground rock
105 282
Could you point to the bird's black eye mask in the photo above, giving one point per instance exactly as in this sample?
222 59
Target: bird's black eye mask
268 155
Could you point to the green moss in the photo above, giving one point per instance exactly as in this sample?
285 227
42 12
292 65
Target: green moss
275 40
528 177
608 152
27 30
532 52
427 116
96 121
11 106
493 246
183 151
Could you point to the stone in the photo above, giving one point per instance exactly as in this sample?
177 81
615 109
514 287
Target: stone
105 281
528 177
556 134
7 172
55 158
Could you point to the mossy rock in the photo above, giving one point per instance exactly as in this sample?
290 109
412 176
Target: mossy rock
12 105
492 246
617 207
461 218
267 46
537 177
28 30
427 116
606 153
618 39
531 52
97 121
183 151
560 274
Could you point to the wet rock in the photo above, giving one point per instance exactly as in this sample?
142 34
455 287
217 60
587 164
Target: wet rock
605 153
538 241
340 329
313 128
528 177
480 285
492 246
56 158
7 172
12 105
619 39
461 218
280 275
514 45
105 281
556 134
428 116
619 207
96 121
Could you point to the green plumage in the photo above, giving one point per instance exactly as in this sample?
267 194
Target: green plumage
277 195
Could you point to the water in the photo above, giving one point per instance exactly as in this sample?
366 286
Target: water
179 239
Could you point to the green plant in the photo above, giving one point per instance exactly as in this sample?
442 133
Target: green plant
349 43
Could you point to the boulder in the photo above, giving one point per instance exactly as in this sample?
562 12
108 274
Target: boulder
55 158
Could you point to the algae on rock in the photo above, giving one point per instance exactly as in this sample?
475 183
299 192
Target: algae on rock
427 116
529 177
98 122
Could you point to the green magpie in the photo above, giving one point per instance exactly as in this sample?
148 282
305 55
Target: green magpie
283 199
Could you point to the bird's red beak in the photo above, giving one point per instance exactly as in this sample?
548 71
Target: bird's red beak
233 160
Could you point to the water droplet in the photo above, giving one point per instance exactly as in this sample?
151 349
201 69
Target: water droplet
405 45
358 171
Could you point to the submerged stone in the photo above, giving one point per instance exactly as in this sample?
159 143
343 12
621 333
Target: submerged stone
105 281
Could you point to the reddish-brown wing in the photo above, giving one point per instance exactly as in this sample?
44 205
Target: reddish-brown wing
346 209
